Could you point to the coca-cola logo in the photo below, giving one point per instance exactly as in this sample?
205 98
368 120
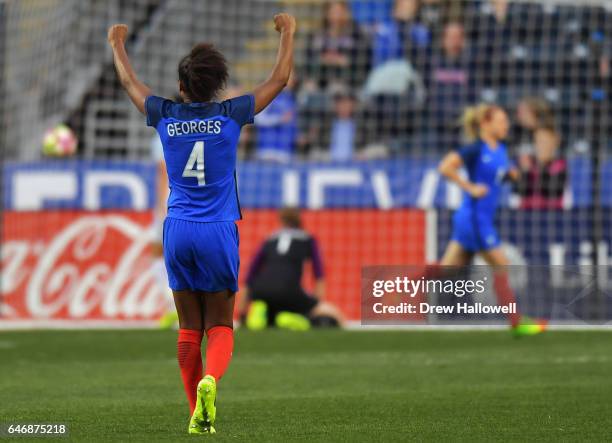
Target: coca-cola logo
86 266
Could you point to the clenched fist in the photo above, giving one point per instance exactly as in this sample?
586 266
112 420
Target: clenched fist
117 34
284 23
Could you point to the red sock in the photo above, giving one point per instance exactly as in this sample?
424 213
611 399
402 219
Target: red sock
189 355
219 347
505 295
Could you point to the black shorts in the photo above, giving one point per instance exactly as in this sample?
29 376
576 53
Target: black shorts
297 301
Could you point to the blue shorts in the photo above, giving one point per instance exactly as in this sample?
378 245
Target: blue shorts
201 256
474 233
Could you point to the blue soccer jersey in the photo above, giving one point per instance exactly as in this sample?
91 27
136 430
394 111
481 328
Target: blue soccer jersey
200 142
488 167
473 223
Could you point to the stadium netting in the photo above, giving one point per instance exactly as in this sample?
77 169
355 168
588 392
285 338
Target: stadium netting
355 139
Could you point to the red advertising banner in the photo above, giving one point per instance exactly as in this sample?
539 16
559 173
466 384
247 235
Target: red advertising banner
83 267
59 265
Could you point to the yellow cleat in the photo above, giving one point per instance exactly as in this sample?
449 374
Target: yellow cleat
292 321
528 326
168 320
205 412
257 318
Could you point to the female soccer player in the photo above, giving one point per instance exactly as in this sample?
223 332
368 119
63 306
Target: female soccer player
487 164
199 139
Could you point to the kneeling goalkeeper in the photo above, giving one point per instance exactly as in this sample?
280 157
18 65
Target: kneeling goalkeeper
275 278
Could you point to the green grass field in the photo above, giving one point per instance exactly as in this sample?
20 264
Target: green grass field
319 386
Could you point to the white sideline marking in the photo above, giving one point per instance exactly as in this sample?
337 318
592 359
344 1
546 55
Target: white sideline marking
350 326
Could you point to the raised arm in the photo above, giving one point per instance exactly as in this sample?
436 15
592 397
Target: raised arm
268 90
137 90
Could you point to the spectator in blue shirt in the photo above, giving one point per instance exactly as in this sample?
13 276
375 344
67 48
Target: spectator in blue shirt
277 129
343 129
405 35
339 131
369 12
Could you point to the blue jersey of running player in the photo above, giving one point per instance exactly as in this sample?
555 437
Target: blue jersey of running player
473 222
200 142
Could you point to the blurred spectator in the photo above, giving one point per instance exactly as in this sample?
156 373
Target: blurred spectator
277 127
500 11
339 130
544 173
394 96
492 34
531 113
339 53
369 12
502 34
499 24
436 13
402 36
449 77
395 77
534 112
343 128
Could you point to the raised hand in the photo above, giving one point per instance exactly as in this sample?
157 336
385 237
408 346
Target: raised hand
284 23
117 34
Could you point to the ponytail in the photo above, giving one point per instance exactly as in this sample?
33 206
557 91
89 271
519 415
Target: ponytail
472 118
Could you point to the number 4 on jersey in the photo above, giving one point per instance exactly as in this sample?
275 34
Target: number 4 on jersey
196 158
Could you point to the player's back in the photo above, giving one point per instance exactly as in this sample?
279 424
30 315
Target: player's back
485 166
200 142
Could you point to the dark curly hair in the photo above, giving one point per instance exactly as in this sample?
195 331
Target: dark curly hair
203 73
